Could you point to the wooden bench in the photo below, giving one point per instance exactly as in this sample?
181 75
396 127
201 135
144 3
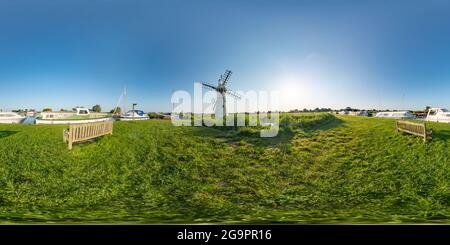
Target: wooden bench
419 129
86 131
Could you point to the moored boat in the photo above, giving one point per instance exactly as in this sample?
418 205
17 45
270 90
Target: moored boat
396 115
11 118
73 121
134 115
438 115
77 116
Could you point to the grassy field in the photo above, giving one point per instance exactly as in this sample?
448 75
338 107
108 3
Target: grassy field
320 169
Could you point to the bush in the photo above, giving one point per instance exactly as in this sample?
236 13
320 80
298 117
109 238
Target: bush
97 108
117 110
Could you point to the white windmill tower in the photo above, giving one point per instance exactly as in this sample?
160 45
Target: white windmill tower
220 105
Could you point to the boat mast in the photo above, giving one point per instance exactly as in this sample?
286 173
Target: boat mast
123 95
132 113
124 111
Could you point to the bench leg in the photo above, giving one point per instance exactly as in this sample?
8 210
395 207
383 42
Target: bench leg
70 145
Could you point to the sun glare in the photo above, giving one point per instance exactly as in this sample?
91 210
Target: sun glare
290 89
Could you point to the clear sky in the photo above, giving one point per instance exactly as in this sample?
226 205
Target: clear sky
363 54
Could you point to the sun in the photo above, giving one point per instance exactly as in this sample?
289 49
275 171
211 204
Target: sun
290 89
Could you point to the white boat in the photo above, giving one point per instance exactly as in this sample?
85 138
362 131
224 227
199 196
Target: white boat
68 121
396 115
77 116
11 118
438 115
134 115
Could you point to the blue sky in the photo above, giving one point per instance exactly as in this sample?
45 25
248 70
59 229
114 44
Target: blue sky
363 54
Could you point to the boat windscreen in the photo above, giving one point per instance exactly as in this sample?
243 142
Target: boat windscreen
140 113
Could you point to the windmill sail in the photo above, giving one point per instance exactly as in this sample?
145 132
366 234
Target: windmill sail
233 93
225 77
207 85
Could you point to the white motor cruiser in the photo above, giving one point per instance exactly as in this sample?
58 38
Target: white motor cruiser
438 115
134 115
396 115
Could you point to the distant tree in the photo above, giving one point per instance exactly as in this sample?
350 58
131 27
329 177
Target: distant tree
61 109
152 115
325 109
427 108
47 110
116 110
97 108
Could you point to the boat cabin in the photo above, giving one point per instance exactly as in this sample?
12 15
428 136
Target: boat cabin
82 111
64 114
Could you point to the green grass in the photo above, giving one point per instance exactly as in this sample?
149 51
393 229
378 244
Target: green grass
319 169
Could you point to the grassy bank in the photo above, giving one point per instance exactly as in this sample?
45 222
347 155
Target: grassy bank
320 169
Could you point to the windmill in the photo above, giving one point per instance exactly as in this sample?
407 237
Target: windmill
222 92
